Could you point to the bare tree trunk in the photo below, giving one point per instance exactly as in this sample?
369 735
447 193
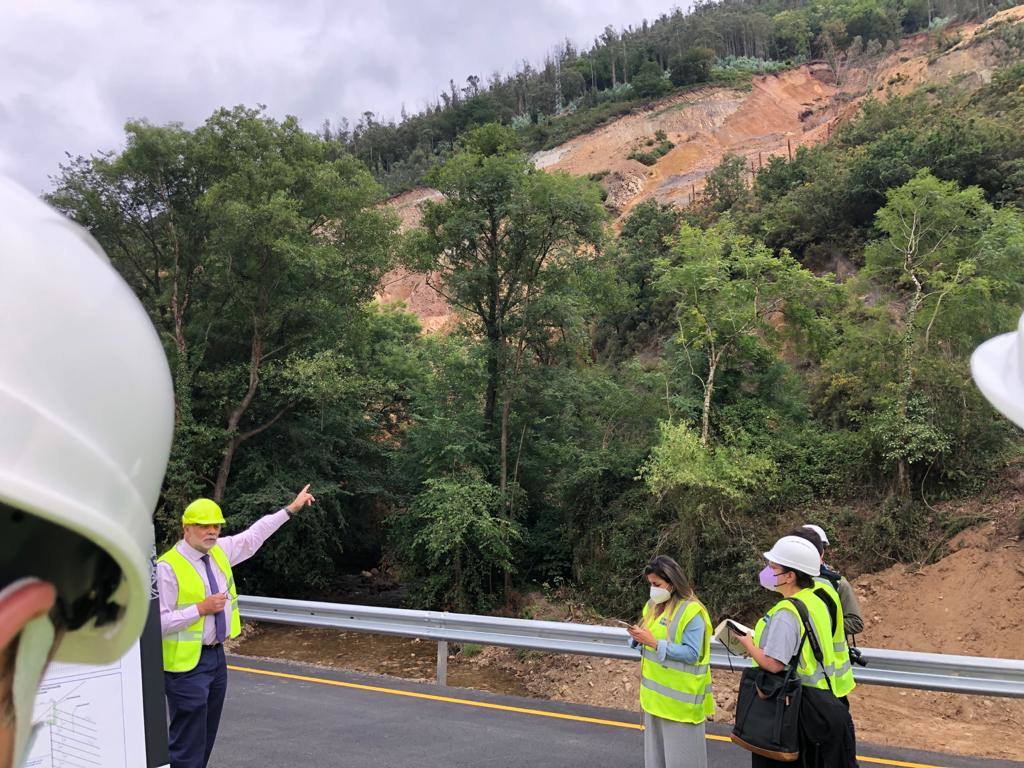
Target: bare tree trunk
506 409
709 388
493 374
907 356
255 358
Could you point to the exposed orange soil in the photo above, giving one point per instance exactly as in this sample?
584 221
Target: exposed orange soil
412 288
777 115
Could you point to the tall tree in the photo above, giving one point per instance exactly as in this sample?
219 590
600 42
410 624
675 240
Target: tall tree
252 245
733 294
504 246
945 251
503 241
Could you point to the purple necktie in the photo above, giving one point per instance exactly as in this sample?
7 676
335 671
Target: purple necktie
218 618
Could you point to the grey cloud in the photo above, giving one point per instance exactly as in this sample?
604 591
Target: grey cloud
76 70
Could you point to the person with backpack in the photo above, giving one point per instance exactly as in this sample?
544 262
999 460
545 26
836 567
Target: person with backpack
797 630
852 617
825 589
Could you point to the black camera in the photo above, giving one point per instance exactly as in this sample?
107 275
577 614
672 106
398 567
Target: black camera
857 657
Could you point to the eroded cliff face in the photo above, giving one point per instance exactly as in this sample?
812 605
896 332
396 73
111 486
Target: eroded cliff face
776 116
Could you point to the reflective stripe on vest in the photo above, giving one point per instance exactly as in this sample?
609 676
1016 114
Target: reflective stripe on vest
690 669
672 693
842 678
808 670
674 690
181 649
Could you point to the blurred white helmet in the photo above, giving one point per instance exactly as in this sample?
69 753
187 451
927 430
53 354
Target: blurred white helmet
819 531
87 409
796 553
998 370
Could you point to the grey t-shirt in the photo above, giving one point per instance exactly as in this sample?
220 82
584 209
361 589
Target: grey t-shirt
781 636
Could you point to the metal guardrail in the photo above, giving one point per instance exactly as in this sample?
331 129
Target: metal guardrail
902 669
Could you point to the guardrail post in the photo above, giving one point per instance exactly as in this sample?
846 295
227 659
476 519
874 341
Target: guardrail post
442 662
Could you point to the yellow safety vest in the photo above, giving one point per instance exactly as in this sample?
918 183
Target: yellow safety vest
670 689
182 648
807 670
842 681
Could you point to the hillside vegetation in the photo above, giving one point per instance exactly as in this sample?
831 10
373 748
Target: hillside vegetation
690 380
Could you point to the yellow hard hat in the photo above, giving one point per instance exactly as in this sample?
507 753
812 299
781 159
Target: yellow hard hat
203 512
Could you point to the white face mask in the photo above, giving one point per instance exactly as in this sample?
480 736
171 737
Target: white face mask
34 645
659 595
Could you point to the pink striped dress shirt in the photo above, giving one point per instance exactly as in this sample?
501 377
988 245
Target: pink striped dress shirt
238 548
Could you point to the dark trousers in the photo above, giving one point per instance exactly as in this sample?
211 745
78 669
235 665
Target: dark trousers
194 702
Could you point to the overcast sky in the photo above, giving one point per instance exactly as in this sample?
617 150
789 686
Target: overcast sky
73 71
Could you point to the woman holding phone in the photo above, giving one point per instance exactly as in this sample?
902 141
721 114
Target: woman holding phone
675 672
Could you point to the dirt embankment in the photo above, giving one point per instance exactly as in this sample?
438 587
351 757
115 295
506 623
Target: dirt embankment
777 115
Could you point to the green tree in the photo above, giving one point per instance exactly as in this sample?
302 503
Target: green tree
504 245
649 82
638 318
945 250
254 246
691 67
452 539
733 294
792 34
726 185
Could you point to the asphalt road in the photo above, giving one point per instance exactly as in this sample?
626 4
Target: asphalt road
285 714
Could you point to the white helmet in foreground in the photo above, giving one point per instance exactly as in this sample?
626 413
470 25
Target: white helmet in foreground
796 553
87 410
998 369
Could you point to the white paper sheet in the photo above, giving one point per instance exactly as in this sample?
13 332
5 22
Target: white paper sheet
90 716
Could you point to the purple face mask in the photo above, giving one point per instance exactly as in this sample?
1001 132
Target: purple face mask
768 578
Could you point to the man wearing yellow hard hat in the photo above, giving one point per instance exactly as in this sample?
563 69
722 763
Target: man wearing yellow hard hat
198 612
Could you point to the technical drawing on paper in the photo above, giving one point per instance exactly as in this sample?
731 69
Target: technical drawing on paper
88 716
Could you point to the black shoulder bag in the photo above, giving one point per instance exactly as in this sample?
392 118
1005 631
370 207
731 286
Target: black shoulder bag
768 710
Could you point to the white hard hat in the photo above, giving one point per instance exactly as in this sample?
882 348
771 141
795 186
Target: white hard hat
796 553
86 404
998 370
819 531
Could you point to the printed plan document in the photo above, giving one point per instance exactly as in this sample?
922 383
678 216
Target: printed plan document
90 716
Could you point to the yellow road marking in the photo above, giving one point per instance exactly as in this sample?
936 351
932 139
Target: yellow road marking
434 697
520 710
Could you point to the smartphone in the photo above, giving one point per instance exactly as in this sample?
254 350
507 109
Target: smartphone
735 629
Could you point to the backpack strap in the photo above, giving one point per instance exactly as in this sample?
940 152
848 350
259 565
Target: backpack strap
813 638
795 661
830 603
830 573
